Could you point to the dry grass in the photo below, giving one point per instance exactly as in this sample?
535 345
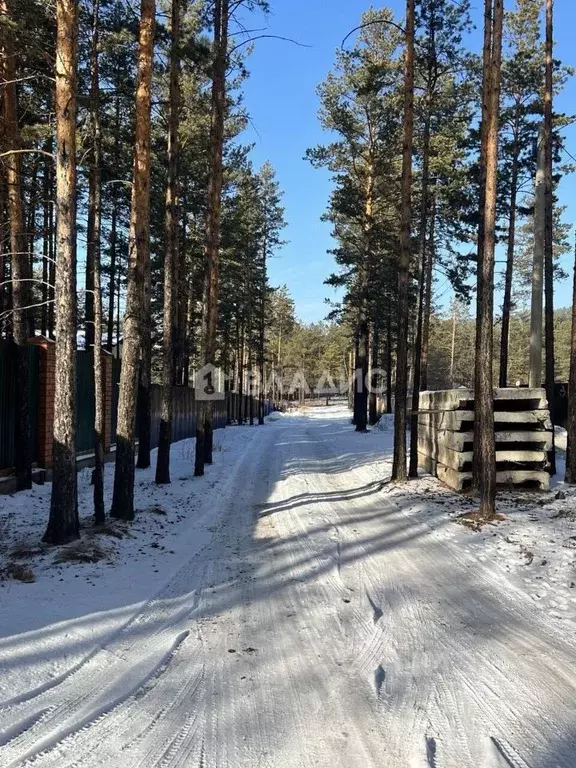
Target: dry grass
18 572
113 529
83 551
23 550
476 522
528 554
156 509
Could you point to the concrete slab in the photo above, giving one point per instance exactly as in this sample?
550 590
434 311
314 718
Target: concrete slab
460 441
459 421
458 399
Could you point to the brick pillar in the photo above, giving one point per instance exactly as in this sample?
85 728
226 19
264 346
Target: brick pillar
106 358
45 429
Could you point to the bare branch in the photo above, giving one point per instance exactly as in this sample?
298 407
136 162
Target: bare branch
369 24
272 37
27 152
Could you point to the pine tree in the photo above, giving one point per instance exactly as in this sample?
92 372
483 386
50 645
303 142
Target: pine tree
22 319
549 223
63 523
135 315
204 436
484 440
93 257
172 259
399 469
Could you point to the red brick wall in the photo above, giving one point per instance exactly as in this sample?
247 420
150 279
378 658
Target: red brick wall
45 427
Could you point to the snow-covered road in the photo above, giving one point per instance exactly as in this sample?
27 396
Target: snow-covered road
326 622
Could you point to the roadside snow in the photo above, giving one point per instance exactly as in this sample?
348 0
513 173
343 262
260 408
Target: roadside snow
302 612
50 626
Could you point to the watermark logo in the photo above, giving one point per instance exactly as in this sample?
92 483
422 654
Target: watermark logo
208 383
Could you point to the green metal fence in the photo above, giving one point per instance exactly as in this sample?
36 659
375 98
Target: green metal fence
8 400
185 409
85 403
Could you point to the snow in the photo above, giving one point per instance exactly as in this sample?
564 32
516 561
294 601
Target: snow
292 608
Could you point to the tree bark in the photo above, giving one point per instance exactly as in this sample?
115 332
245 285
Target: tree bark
113 228
571 442
374 383
389 364
138 257
399 469
262 331
417 360
221 14
171 259
484 439
144 403
22 326
46 235
63 523
549 227
51 261
361 375
428 297
241 410
535 370
31 238
93 254
507 301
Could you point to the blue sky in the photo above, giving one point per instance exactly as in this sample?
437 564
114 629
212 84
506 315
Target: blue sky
281 99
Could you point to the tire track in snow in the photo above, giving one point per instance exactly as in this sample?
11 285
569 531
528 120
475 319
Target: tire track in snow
92 689
337 596
82 717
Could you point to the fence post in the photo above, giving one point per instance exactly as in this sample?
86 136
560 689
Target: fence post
47 383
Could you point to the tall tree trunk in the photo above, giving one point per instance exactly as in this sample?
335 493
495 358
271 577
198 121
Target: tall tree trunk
250 382
484 439
113 226
46 235
549 226
93 255
51 259
63 524
185 292
262 331
362 351
138 257
3 260
417 362
374 377
399 469
144 403
389 364
535 370
507 302
453 349
571 447
112 274
361 374
89 334
171 259
31 238
22 327
241 410
221 13
427 309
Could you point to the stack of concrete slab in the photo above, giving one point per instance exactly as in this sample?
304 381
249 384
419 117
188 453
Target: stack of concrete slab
523 436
